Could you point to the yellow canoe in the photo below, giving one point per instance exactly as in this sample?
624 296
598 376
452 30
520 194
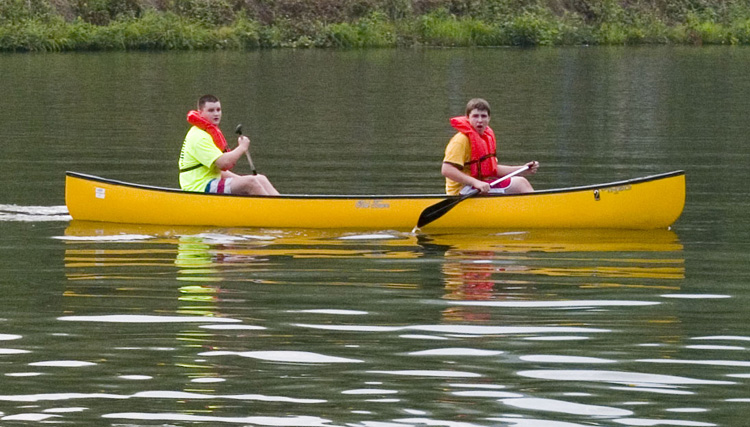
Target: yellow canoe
650 202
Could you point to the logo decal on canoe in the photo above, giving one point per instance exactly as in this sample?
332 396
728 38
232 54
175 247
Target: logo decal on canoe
371 204
618 189
99 192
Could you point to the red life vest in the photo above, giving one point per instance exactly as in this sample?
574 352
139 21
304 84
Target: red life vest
196 119
483 148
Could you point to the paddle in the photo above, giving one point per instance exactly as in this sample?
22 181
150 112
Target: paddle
238 131
431 213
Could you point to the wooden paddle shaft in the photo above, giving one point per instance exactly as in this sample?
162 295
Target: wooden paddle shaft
238 131
249 160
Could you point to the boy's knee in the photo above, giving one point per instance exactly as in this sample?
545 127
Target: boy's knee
247 185
520 185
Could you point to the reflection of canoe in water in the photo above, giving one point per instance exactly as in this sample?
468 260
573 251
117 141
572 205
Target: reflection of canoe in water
319 242
561 241
608 257
645 203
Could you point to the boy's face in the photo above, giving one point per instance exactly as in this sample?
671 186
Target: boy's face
479 120
211 111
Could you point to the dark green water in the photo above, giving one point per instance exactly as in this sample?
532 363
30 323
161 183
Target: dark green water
118 325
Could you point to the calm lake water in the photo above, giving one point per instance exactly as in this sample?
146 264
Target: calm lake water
122 325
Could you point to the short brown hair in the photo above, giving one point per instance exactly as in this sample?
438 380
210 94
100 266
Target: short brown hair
478 104
206 98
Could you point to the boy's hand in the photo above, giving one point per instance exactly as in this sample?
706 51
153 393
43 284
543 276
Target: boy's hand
533 167
483 187
243 142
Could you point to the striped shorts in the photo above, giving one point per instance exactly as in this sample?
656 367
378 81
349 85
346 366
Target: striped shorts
497 189
219 186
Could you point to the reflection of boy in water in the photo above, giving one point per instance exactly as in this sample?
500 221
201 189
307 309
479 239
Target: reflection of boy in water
200 253
470 275
470 281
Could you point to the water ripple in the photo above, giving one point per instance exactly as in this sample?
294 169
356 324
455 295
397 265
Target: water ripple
8 351
487 393
207 380
655 390
478 386
233 327
741 363
129 318
535 422
154 394
284 356
429 422
58 396
561 406
715 347
63 363
367 391
29 417
161 394
106 238
458 329
495 330
423 337
136 377
696 296
456 352
647 422
295 421
617 377
352 328
331 311
545 358
221 238
426 373
558 338
556 304
33 213
377 236
723 338
65 410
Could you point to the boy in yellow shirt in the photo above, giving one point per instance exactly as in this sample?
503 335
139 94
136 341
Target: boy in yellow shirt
206 162
471 156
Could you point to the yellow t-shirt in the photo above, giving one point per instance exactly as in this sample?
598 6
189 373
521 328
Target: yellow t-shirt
457 153
198 149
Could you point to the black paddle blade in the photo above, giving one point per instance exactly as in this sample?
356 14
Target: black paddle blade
238 129
431 213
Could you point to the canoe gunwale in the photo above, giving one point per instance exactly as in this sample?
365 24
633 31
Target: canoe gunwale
365 196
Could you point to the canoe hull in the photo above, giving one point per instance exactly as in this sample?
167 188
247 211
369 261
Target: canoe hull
645 203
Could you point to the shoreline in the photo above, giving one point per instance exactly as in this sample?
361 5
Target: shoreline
50 28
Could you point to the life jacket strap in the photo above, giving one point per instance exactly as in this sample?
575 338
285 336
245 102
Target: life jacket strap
481 159
189 168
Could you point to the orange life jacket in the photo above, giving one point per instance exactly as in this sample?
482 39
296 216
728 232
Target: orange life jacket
483 148
196 119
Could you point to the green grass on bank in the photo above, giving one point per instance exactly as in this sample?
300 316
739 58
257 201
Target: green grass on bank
94 25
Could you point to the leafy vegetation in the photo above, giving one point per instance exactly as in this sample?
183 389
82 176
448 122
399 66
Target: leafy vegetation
89 25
